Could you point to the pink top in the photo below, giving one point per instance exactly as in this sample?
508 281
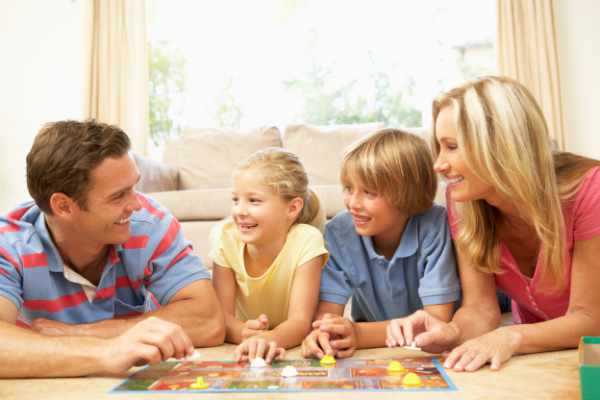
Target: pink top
530 303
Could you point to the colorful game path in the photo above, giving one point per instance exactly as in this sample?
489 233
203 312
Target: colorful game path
399 374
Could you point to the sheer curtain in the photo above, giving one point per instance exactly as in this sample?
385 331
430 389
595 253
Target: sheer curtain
117 67
527 52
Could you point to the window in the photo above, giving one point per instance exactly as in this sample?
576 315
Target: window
247 63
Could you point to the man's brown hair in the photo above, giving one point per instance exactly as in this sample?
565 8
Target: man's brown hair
64 153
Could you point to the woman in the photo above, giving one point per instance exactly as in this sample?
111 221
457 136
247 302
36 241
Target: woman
523 220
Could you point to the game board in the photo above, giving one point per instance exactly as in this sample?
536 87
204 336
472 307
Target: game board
229 376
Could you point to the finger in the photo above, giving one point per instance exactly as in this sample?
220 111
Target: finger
336 329
496 362
404 332
464 360
264 321
253 324
477 362
252 349
145 354
271 351
240 351
341 344
261 348
182 343
161 341
396 333
316 324
280 353
310 347
454 356
324 344
346 353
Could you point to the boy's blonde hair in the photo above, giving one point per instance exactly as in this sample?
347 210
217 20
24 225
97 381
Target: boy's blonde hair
396 165
503 137
283 172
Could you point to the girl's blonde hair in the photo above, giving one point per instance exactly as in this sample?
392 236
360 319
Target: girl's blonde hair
283 172
395 164
504 140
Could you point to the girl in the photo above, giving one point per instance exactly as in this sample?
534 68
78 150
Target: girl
523 219
267 259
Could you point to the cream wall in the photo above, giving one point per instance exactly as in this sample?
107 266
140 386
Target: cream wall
41 79
578 32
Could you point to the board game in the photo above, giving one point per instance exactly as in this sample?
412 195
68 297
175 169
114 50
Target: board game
348 374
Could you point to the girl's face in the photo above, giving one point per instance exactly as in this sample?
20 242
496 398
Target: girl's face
373 215
260 214
450 163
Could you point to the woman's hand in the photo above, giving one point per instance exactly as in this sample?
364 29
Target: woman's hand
425 330
494 347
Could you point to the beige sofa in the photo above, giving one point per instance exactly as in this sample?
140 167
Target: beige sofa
194 182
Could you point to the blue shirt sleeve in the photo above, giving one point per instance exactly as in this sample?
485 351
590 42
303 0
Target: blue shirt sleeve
335 286
173 266
439 283
11 283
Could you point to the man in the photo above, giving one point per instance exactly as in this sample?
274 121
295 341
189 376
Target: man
100 274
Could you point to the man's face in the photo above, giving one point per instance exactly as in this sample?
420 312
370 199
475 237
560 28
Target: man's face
111 200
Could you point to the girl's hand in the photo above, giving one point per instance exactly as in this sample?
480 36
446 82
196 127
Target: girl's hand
426 331
494 347
257 346
255 326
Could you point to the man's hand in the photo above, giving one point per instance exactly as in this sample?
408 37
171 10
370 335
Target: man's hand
254 327
149 341
426 331
257 346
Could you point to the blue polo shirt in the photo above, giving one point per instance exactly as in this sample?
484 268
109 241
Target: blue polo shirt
139 276
421 272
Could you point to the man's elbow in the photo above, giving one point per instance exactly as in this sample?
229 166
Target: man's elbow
211 332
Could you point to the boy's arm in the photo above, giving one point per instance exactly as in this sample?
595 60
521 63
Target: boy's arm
225 286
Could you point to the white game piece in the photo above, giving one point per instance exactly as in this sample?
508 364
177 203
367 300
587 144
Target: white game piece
289 371
258 362
412 346
193 357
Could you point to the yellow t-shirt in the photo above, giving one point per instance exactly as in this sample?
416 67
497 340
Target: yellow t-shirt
270 293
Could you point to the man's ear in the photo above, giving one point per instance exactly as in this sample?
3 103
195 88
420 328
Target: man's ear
295 207
62 205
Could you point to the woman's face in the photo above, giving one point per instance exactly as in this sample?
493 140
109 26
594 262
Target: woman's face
462 183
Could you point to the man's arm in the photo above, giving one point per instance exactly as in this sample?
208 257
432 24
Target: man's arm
195 308
25 354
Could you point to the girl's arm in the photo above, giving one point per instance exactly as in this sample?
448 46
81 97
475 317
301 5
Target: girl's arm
303 303
225 286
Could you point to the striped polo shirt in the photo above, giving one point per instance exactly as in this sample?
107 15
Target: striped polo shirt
140 275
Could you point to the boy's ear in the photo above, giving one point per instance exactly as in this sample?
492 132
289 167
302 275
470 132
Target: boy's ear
295 207
61 204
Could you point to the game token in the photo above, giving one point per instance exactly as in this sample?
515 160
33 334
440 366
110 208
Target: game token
412 346
411 379
199 384
289 371
327 360
258 362
395 366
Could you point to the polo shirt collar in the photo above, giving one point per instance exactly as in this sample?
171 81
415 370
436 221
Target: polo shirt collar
408 243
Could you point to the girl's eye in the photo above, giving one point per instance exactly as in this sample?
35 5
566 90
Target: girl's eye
255 201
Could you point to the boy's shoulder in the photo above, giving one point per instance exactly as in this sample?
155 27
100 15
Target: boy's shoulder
435 214
341 225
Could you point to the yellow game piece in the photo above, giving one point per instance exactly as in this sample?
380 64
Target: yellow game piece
327 361
411 379
199 384
395 367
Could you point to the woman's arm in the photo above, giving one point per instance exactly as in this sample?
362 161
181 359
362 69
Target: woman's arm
225 286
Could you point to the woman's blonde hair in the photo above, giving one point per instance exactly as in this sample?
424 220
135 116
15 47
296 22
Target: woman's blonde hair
283 172
395 164
503 137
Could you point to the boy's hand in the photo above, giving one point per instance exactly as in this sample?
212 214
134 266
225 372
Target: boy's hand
255 326
257 346
341 332
425 330
316 344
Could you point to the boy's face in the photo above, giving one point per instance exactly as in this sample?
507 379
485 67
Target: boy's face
372 213
111 199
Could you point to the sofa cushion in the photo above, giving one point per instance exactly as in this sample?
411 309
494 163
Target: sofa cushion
155 176
205 158
321 149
